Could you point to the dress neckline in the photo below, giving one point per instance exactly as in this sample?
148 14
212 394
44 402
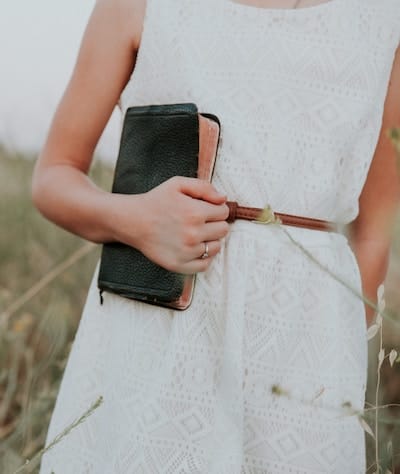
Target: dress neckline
320 7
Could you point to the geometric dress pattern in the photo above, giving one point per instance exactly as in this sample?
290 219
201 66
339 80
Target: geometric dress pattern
259 374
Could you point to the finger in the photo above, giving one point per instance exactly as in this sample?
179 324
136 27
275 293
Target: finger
212 248
213 231
198 265
200 189
214 212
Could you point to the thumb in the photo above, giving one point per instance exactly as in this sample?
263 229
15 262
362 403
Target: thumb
201 189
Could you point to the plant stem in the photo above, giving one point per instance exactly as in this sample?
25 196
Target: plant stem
62 435
43 282
336 277
378 383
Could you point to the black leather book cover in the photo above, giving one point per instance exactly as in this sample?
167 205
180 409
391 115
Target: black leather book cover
157 143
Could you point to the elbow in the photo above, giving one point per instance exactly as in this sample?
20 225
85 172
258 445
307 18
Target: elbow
373 256
35 191
39 188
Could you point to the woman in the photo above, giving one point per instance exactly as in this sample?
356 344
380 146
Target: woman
253 377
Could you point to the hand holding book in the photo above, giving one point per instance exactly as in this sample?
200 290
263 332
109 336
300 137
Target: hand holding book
163 149
178 216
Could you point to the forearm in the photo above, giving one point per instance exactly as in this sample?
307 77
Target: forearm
67 197
372 257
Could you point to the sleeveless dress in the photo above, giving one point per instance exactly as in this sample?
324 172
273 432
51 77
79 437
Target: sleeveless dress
258 375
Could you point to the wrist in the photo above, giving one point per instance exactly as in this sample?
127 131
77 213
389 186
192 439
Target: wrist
122 219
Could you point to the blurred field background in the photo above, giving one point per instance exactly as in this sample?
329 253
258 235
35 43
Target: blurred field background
35 339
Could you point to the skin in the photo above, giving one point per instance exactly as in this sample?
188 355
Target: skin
170 223
371 231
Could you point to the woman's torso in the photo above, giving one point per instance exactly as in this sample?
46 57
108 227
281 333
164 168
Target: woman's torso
300 93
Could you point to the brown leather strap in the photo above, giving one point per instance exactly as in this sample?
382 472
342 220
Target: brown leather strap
254 213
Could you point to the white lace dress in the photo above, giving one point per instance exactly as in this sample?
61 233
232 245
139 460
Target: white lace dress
252 378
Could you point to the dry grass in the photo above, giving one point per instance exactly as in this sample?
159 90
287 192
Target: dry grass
36 338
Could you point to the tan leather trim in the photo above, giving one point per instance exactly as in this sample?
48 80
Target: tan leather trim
208 143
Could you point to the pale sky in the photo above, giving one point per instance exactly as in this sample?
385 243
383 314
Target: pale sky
39 41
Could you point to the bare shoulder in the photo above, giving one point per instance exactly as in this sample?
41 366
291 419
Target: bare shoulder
105 62
129 15
138 11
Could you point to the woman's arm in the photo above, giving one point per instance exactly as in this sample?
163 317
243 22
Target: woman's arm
168 224
371 231
60 188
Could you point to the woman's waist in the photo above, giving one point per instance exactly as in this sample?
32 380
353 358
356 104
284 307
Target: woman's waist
282 234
